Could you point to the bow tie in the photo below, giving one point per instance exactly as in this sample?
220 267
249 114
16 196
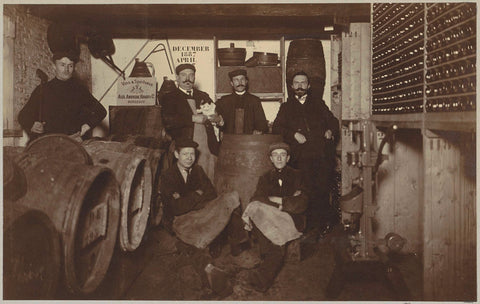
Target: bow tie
189 92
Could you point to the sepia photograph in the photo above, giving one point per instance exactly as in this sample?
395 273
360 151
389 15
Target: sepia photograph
239 151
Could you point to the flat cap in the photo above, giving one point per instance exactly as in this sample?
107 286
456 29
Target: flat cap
185 143
184 66
237 72
279 145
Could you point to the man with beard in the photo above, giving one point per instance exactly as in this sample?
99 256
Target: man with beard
241 112
62 105
182 117
311 130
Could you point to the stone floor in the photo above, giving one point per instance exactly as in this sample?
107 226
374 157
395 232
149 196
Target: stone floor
158 271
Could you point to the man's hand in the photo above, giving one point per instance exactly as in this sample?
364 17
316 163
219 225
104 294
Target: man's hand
199 118
297 193
328 134
84 129
256 132
276 199
300 138
176 195
38 127
199 191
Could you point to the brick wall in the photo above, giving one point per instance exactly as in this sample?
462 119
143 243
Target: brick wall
32 53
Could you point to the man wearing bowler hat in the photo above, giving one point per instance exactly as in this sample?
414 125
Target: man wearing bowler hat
181 112
241 112
63 104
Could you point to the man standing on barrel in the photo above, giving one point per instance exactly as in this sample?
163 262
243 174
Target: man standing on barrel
312 132
62 105
241 112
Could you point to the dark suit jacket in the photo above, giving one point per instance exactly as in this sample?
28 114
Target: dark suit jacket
291 182
172 181
254 118
311 119
177 114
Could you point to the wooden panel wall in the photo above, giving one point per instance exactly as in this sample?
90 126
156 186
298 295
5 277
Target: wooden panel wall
400 184
450 220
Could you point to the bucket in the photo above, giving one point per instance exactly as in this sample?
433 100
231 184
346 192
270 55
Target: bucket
83 203
307 55
135 180
231 56
242 159
31 255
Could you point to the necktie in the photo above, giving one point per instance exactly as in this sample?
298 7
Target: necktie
187 172
189 93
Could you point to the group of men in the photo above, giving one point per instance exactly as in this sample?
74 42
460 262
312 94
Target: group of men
285 194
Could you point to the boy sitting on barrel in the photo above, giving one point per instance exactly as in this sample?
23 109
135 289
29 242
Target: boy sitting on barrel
275 215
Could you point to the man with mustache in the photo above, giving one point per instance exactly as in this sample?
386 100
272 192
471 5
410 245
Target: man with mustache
312 132
241 112
182 118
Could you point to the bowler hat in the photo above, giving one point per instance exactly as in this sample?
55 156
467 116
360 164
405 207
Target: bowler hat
185 143
279 145
184 66
237 73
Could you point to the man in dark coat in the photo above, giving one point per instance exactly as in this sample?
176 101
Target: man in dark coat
312 132
182 118
241 111
62 105
281 188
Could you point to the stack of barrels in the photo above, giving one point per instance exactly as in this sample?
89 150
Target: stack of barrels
66 204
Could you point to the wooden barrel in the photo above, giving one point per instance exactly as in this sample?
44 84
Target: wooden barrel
242 159
83 203
307 55
60 147
135 180
31 255
155 160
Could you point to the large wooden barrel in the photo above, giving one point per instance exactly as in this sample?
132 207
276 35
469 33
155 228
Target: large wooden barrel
307 55
135 180
60 147
155 159
31 255
83 203
242 159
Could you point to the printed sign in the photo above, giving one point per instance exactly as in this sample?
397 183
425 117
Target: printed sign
137 91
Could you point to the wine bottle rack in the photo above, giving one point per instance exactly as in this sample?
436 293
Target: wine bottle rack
424 57
451 57
398 41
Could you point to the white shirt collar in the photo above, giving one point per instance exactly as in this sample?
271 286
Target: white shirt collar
301 99
240 93
185 91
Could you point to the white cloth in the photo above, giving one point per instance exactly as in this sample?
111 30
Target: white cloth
276 225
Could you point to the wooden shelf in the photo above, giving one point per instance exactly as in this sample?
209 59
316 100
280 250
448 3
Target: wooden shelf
403 121
451 121
262 96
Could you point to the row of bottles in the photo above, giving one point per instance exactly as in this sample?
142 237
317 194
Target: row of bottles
399 108
454 103
398 58
451 87
451 57
409 78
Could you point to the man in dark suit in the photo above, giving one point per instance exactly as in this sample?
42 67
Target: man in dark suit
241 112
312 132
276 213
